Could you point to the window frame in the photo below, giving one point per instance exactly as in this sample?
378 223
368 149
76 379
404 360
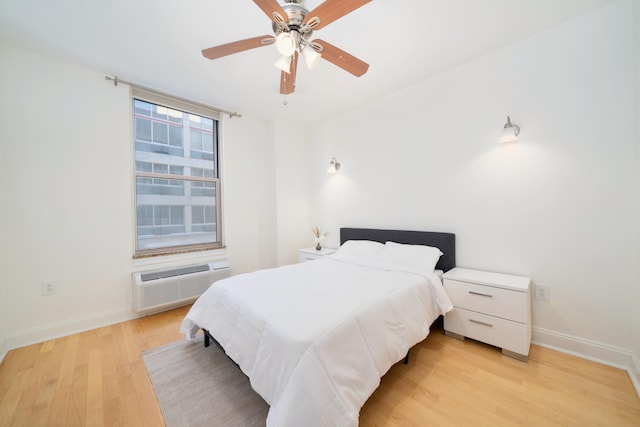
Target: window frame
189 108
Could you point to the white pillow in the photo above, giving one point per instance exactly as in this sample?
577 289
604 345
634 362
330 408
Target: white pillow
360 248
419 256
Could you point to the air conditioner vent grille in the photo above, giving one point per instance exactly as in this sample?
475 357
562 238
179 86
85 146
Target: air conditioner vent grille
175 286
145 277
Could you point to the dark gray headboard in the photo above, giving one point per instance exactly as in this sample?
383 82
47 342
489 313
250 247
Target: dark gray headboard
446 242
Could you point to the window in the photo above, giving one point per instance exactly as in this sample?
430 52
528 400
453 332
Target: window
177 184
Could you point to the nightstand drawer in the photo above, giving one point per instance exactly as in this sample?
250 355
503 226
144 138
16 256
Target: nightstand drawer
503 303
303 257
309 254
512 336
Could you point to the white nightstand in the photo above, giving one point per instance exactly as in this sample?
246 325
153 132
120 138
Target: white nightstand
490 307
307 254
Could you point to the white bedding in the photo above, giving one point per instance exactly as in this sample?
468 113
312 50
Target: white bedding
315 338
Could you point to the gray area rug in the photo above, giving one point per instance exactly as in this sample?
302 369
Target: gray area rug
198 386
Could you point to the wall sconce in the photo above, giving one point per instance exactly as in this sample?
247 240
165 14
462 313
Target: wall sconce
334 166
510 132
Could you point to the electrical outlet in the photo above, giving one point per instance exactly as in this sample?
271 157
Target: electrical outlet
543 292
49 288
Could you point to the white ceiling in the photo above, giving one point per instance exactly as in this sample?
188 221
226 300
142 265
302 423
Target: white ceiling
157 43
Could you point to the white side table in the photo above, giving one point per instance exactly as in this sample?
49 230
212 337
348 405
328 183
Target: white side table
308 254
490 307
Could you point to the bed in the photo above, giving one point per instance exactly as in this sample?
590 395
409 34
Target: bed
315 338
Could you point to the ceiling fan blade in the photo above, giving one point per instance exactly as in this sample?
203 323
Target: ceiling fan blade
270 6
288 80
331 10
238 46
342 59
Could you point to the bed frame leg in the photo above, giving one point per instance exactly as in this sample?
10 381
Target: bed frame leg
406 358
206 338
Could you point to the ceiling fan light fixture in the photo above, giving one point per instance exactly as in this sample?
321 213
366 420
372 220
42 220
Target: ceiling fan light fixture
286 44
283 63
310 56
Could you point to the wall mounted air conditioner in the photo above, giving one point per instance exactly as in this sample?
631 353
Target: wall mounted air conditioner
156 290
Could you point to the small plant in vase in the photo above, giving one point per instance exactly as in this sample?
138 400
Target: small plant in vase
318 237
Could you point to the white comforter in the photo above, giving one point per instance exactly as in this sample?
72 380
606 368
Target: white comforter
315 338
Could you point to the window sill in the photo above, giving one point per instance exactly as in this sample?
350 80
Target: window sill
159 261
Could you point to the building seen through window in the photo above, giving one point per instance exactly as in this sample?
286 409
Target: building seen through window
176 179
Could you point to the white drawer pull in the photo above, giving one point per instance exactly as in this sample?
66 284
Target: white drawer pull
480 294
480 322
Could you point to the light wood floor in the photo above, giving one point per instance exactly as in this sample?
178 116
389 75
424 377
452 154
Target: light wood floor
98 378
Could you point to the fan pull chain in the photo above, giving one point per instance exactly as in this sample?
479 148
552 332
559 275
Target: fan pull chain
284 100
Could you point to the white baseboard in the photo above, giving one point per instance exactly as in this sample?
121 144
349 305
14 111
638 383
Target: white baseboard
3 348
591 350
586 349
634 372
67 327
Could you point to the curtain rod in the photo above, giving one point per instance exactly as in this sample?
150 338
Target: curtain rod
117 80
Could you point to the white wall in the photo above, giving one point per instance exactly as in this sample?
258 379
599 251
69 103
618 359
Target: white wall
3 263
636 347
65 153
292 190
557 206
67 198
249 203
265 185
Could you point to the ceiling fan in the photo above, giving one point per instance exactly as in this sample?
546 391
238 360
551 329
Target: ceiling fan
293 26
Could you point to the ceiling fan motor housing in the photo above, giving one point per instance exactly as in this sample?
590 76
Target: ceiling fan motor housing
296 13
